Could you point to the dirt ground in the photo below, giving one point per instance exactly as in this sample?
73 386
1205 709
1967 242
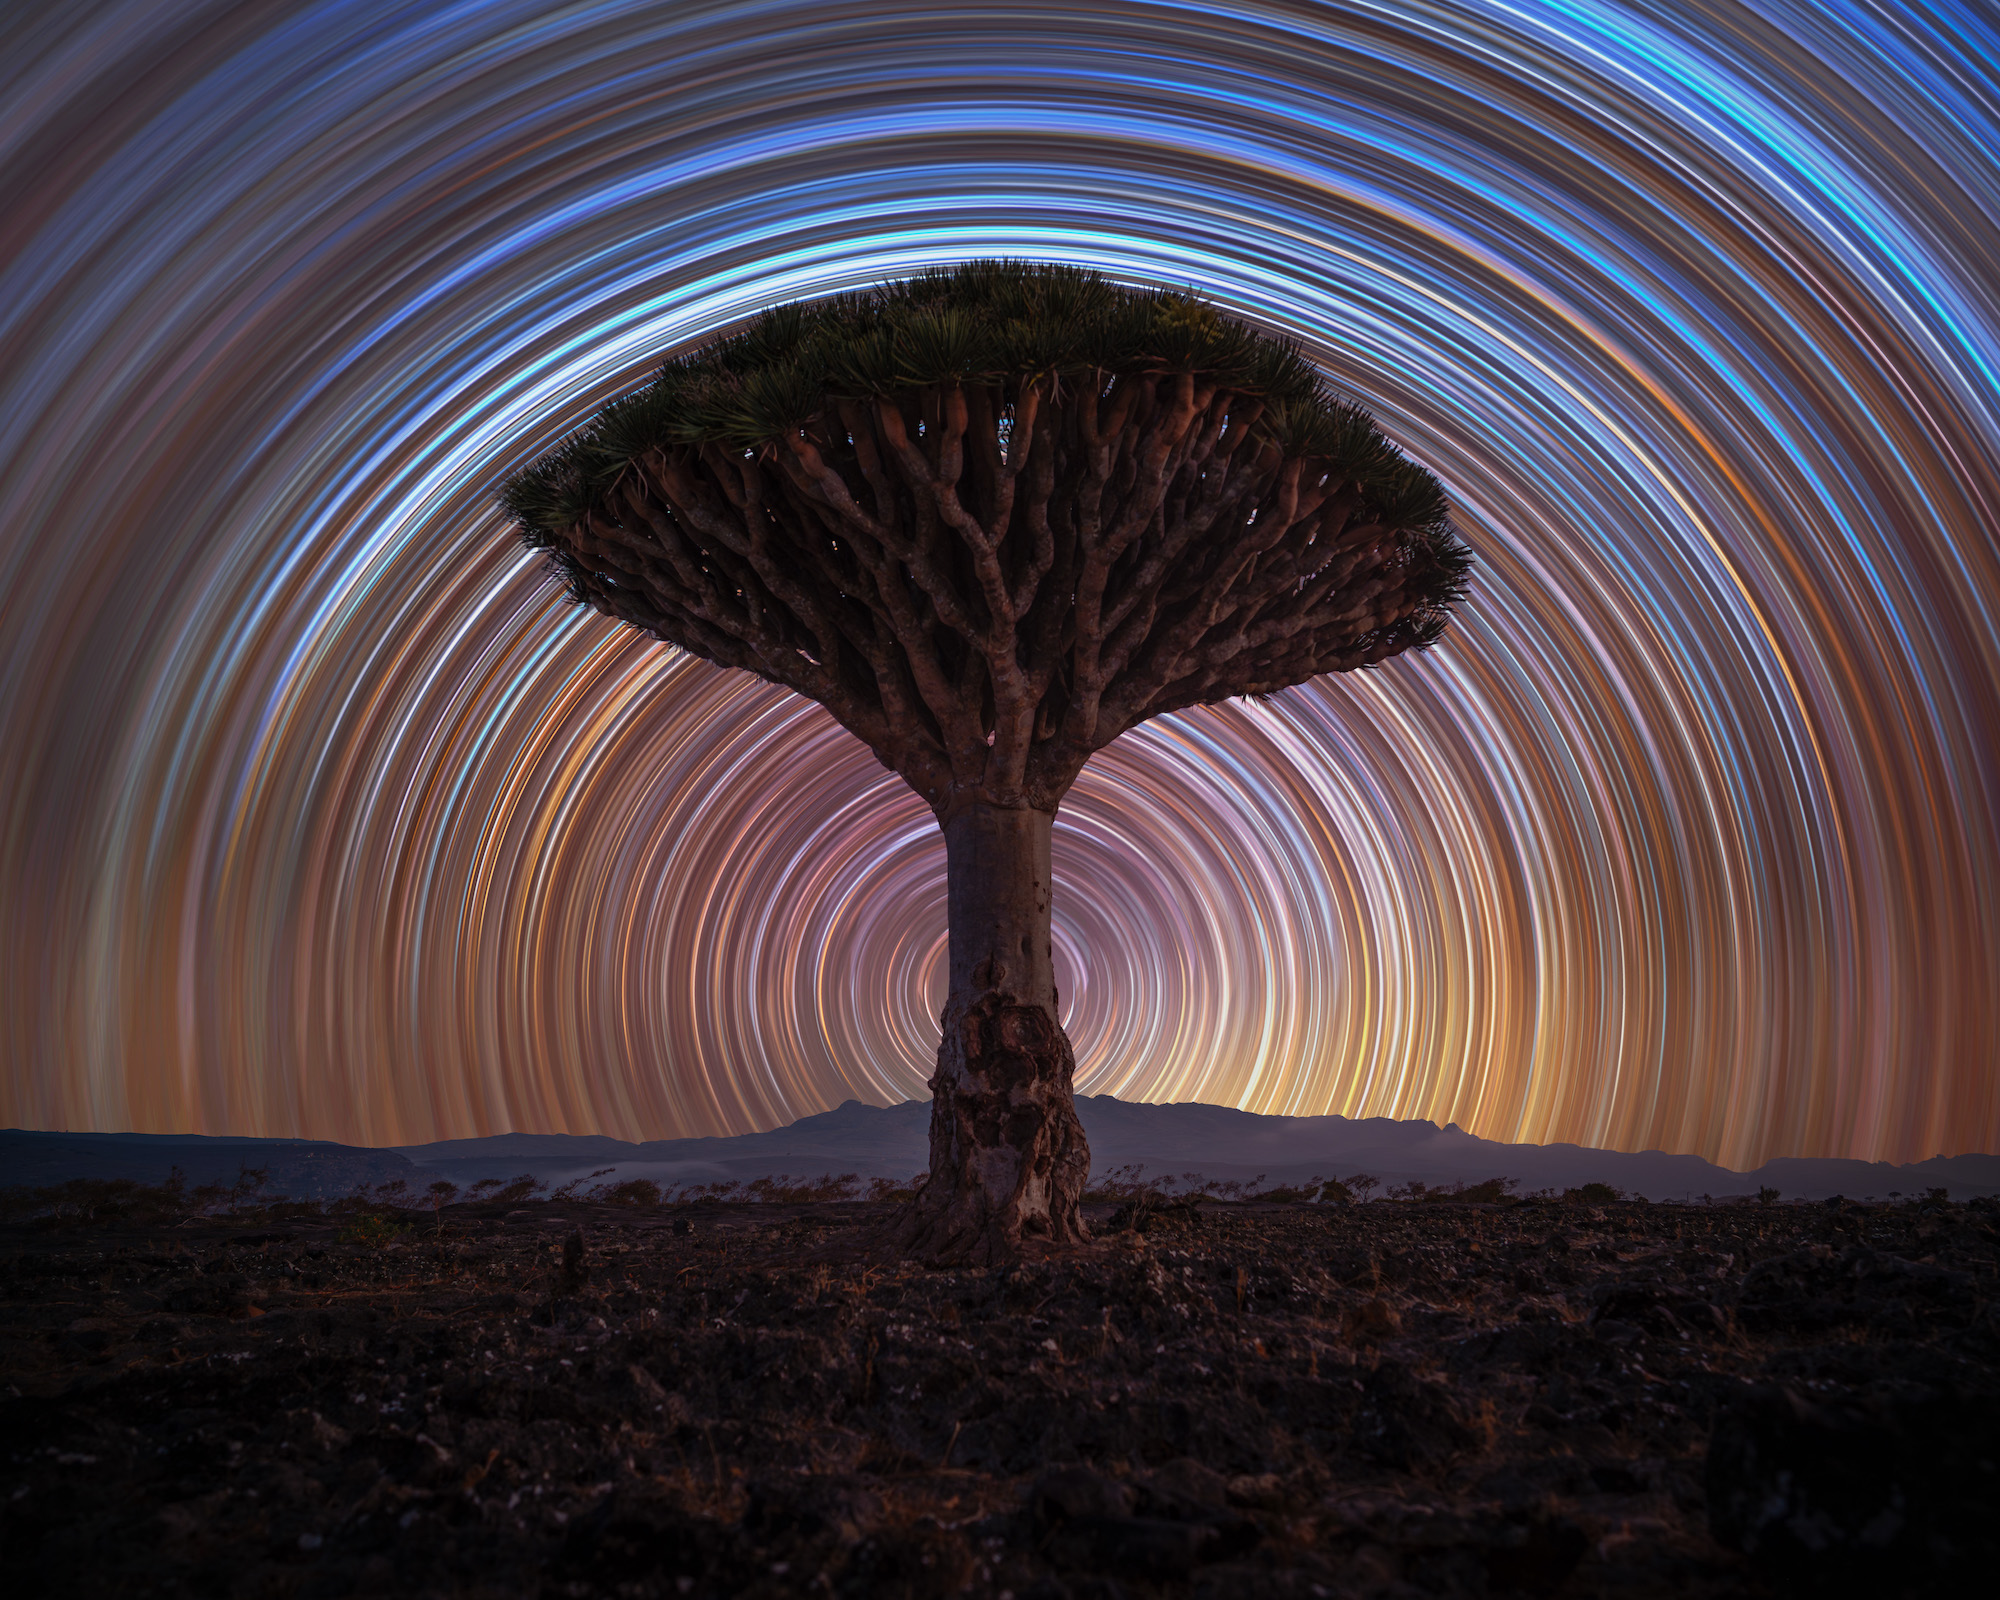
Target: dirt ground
1230 1400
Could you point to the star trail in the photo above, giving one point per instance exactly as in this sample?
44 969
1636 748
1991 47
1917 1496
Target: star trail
325 816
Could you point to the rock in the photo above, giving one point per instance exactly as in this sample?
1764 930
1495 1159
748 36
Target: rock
1185 1483
1145 1547
1656 1309
1406 1422
1534 1554
812 1507
645 1389
575 1271
212 1294
191 1520
1355 1268
1858 1493
1814 1289
1436 1548
1085 1521
90 1335
1262 1491
1069 1494
1244 1581
1372 1320
1076 1588
1109 1424
640 1539
920 1562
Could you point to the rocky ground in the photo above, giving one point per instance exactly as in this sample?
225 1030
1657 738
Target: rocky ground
1396 1399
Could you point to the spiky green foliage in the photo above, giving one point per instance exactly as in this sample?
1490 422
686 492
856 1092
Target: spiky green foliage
983 322
995 514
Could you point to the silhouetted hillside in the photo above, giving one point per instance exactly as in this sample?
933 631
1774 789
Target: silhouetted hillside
1168 1141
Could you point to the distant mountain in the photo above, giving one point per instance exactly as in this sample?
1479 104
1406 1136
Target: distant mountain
307 1169
892 1142
1213 1141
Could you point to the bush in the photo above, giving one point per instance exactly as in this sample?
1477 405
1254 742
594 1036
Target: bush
574 1190
1593 1194
1121 1183
82 1201
1290 1194
786 1190
1489 1193
88 1200
790 1191
373 1230
632 1192
1150 1211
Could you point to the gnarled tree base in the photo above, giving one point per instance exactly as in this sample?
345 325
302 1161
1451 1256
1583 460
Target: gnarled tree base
1008 1156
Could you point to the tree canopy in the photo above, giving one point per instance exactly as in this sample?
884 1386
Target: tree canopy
995 515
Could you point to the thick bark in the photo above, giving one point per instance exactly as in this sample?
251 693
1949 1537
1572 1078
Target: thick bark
1008 1155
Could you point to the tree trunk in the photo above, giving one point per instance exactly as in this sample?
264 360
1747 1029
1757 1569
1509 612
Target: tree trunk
1008 1156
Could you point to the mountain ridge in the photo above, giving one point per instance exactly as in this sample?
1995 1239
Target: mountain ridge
1167 1141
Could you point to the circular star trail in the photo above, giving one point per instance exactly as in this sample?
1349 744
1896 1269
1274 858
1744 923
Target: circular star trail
324 816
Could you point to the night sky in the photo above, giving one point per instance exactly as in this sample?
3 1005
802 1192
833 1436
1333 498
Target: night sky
324 815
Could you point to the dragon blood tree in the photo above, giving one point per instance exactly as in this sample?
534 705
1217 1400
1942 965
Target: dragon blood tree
991 518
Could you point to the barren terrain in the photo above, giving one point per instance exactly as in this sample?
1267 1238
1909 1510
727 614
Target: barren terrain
575 1399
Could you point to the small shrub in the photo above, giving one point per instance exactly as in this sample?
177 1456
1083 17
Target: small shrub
1120 1183
790 1191
574 1189
1153 1212
248 1186
891 1189
81 1201
1593 1194
709 1193
440 1195
1292 1193
632 1192
373 1229
1489 1193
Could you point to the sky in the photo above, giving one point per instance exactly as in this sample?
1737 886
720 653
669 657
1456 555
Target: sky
323 815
